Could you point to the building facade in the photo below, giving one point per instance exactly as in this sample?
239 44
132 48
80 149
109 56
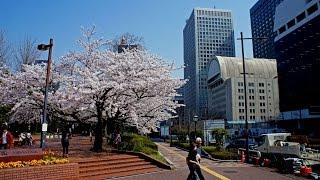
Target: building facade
207 32
226 90
262 22
297 25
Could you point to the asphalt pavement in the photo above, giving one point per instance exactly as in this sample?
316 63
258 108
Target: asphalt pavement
211 169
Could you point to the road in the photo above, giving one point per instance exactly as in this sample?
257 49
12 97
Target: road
211 169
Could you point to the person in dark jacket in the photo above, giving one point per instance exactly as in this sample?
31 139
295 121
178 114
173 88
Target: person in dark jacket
193 160
65 143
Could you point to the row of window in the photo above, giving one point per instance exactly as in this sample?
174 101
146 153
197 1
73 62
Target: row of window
254 117
262 91
251 84
299 18
251 104
252 97
213 19
213 13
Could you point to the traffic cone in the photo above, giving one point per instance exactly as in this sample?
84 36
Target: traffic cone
243 157
266 162
305 171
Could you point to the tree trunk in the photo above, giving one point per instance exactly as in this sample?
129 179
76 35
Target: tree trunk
97 146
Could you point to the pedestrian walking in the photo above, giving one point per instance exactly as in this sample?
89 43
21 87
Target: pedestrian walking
65 143
117 139
193 160
6 139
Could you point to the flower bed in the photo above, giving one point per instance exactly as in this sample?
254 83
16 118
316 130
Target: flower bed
48 159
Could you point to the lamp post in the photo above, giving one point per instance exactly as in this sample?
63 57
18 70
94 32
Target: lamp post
245 89
195 119
45 47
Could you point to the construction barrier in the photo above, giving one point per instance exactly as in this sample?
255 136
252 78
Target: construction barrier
305 171
266 162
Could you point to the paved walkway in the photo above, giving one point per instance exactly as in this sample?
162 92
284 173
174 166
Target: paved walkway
211 169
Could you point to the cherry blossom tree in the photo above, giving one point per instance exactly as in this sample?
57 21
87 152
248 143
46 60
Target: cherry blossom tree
134 87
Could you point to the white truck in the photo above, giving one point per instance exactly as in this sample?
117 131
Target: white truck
276 144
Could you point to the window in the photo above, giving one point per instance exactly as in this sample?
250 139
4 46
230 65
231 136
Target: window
312 9
291 23
262 110
261 90
301 16
251 90
282 29
251 84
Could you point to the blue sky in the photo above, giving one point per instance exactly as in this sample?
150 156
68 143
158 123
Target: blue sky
159 22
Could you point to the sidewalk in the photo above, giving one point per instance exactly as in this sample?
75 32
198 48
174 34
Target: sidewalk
177 157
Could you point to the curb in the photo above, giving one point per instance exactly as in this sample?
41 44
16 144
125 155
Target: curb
148 158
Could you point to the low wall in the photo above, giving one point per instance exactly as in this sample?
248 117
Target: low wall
69 171
9 155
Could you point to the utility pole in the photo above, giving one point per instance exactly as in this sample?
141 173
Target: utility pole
44 47
245 91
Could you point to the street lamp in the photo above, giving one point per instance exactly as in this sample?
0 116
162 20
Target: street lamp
245 89
45 47
195 119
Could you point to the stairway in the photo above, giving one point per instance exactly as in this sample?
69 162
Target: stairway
115 165
101 165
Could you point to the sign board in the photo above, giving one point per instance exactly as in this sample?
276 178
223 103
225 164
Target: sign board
164 130
44 127
208 126
214 124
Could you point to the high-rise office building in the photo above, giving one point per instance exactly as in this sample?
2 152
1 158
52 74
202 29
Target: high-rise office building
208 32
297 25
262 21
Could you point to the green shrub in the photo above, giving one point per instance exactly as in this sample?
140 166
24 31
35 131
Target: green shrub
209 149
134 142
225 155
137 143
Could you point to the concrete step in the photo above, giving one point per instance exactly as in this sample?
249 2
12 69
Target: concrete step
114 157
113 167
119 172
123 174
108 163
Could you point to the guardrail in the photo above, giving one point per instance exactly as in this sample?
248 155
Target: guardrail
252 153
311 153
